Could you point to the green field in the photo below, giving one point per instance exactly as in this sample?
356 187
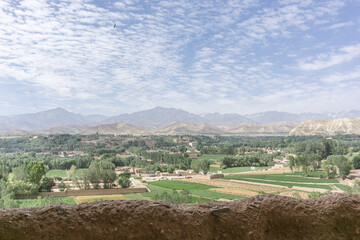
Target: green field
345 188
283 178
180 185
311 174
290 185
41 202
156 190
61 173
214 195
199 192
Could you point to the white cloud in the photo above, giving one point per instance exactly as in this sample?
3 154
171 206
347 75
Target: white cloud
341 25
339 77
188 54
343 55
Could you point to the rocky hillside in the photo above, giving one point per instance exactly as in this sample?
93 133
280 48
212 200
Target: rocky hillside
114 128
327 127
188 128
249 128
335 216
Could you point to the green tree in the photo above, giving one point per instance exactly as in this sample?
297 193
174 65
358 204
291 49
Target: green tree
47 184
205 166
292 163
35 170
170 169
71 173
341 162
4 172
303 161
196 166
341 148
24 188
62 186
6 196
94 174
344 169
124 180
20 173
182 149
107 172
356 162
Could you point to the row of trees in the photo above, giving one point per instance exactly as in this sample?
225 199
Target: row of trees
323 148
257 160
334 165
56 162
182 161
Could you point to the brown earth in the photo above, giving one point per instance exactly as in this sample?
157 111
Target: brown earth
235 191
334 216
232 184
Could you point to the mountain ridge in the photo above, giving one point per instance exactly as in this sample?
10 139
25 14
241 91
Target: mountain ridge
154 118
342 126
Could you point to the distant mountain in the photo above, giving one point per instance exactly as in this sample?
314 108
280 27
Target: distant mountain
225 119
273 116
327 127
46 119
175 128
156 117
114 128
153 118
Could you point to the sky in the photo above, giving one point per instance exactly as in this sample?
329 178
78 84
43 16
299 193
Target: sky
236 56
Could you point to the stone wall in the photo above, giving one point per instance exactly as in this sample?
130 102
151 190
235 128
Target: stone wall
267 217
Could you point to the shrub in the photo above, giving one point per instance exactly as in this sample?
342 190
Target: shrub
124 180
47 184
330 172
62 186
344 169
170 169
356 162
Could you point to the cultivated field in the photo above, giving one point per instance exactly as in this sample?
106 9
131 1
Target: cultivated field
83 199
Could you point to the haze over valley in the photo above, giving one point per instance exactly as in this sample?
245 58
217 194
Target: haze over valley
170 121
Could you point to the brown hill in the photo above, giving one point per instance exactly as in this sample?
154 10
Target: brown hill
250 128
63 129
327 127
175 128
114 128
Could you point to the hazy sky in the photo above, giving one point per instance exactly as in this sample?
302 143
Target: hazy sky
241 56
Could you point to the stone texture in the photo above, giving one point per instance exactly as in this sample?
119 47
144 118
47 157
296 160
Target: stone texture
334 216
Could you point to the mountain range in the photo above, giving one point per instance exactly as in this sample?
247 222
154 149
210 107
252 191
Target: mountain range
343 126
160 120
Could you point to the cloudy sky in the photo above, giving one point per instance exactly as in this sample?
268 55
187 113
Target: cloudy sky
242 56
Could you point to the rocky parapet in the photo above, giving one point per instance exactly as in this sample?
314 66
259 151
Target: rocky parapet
334 216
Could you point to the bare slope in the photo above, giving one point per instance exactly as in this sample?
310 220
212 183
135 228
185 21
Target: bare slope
327 127
188 128
267 217
247 128
114 128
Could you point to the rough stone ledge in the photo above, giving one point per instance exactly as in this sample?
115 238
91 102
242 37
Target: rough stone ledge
335 216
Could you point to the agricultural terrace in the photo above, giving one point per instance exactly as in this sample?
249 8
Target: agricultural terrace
288 184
